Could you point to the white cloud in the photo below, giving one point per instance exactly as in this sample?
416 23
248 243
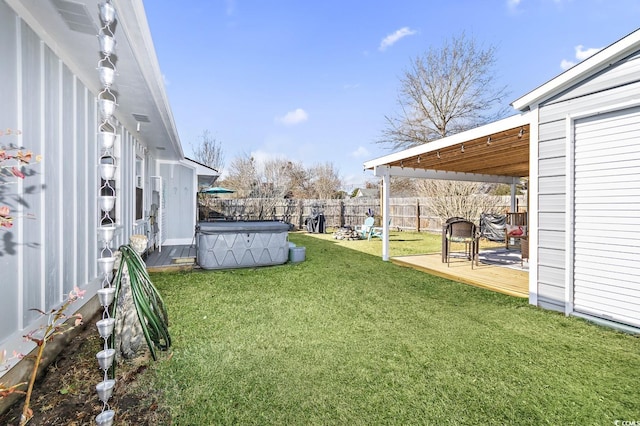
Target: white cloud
565 64
360 152
391 39
351 86
513 4
294 117
261 157
581 55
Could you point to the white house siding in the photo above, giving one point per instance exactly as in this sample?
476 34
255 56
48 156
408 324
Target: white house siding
45 257
180 202
42 259
10 312
615 85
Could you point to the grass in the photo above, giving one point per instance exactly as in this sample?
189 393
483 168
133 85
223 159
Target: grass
344 338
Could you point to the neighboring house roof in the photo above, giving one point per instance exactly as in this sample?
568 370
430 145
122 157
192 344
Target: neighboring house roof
70 29
592 65
368 192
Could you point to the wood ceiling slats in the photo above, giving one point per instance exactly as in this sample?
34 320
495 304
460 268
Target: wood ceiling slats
506 155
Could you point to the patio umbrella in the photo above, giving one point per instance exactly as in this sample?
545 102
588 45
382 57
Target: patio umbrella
217 190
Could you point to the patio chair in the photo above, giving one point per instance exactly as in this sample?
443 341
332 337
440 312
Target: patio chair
465 232
376 231
365 229
515 228
444 235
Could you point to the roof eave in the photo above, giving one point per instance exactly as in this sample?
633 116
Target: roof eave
487 129
599 61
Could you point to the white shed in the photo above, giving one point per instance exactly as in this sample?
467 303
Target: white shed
587 180
577 138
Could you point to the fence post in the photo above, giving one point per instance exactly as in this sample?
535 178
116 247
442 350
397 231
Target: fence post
417 215
300 205
342 222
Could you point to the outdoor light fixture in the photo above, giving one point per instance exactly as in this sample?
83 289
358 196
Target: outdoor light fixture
418 159
489 140
521 132
462 148
438 155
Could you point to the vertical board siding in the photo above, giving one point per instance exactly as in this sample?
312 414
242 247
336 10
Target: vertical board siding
81 159
45 257
32 119
9 45
54 191
69 166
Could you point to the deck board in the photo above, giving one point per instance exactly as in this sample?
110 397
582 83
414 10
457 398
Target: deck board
171 258
511 281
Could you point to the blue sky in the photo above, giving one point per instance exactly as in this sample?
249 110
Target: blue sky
312 80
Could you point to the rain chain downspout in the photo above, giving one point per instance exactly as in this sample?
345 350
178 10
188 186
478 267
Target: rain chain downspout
107 199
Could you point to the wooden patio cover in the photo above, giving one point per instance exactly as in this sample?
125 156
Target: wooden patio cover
496 152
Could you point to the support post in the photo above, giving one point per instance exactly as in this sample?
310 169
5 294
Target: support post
385 216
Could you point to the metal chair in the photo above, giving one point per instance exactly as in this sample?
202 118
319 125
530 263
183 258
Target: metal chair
465 232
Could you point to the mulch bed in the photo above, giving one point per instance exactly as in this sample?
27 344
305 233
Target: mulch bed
66 394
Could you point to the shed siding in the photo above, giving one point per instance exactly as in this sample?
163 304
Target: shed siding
617 84
607 176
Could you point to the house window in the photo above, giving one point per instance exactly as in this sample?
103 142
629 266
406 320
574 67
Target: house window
139 183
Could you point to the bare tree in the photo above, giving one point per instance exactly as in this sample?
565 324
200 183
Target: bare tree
445 91
265 185
452 198
325 181
242 176
209 151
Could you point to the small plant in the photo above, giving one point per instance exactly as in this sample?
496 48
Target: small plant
4 366
58 323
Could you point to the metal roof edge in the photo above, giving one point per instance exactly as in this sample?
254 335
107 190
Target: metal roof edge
139 36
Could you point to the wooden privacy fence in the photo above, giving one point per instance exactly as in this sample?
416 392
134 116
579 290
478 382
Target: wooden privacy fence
409 214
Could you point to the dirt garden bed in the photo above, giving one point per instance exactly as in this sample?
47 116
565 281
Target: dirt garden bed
66 394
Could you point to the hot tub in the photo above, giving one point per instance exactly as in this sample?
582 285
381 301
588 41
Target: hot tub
224 245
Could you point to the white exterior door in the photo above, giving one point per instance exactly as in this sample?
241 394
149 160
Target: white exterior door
606 234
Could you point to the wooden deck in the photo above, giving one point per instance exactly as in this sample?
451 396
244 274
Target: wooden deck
502 275
171 258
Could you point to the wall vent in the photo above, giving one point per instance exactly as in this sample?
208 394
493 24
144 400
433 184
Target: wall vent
76 16
141 118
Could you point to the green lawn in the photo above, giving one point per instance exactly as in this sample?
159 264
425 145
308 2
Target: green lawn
344 338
